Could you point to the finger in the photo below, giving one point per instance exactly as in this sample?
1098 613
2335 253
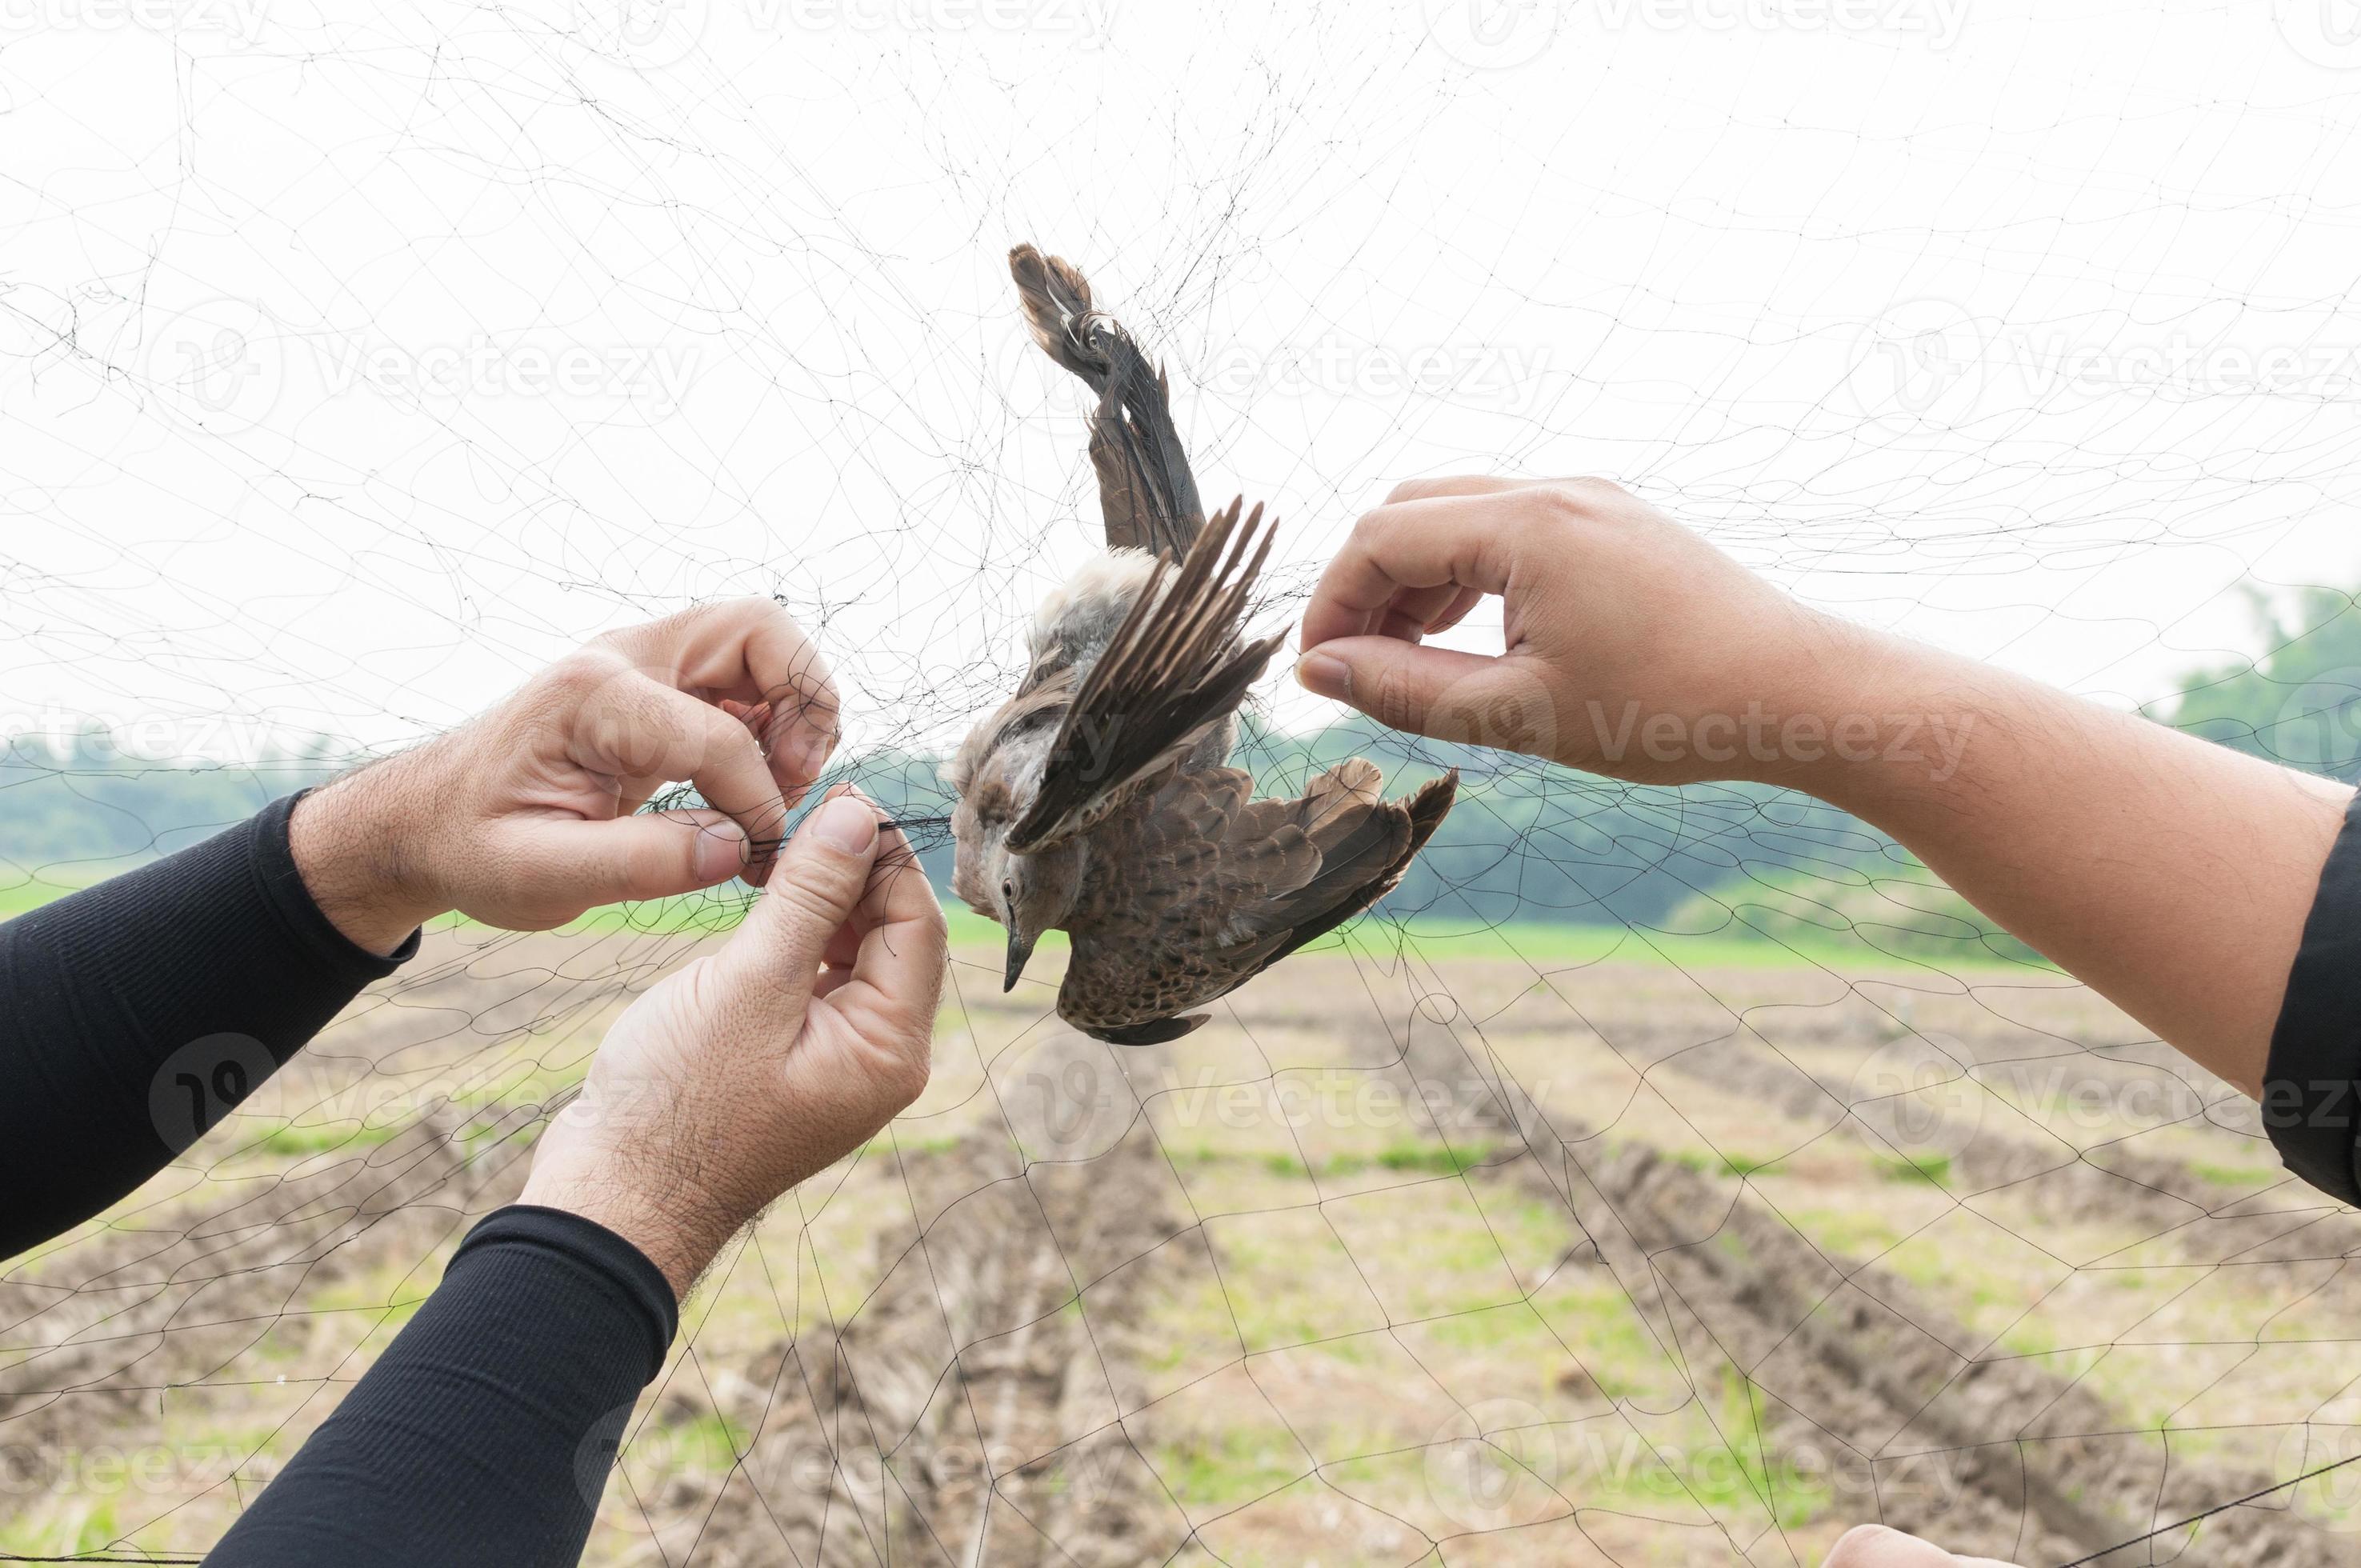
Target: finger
894 983
755 716
1418 613
865 1046
818 881
1447 542
895 857
1460 485
1876 1546
751 651
1440 692
639 733
1454 612
570 864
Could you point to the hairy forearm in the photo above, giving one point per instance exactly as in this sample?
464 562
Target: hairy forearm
2171 874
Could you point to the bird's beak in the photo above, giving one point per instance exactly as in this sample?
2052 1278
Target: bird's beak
1020 949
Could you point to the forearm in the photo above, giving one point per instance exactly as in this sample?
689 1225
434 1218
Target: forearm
2178 878
485 1433
2171 874
135 1014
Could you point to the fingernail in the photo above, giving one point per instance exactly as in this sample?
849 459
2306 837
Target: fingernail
847 823
1327 676
807 752
721 850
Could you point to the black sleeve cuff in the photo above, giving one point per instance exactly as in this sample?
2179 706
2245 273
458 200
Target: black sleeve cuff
2312 1084
282 888
595 1257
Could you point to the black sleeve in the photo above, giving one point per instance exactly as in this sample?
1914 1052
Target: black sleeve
135 1013
2312 1085
484 1433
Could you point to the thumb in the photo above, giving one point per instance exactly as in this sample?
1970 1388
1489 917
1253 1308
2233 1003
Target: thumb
1442 691
819 879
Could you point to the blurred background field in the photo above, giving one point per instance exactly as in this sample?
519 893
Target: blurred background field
1793 1197
1542 1256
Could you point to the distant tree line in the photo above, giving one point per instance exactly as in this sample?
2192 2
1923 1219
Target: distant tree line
76 807
1528 841
2300 703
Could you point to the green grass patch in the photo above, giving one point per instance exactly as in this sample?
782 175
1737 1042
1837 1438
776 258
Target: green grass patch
296 1142
1426 1159
1550 944
1237 1466
1558 945
2233 1175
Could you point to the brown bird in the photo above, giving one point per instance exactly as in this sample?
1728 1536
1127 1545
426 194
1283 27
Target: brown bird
1098 799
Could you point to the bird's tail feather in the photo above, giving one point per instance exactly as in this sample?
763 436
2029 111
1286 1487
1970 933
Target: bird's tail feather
1146 493
1364 848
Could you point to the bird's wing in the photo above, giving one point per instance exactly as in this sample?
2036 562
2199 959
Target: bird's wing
1214 889
1174 669
1146 494
1144 945
1365 844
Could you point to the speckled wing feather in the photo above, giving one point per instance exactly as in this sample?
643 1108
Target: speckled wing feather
1215 888
1147 497
1173 669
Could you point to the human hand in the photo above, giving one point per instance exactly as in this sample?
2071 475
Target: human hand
525 816
1874 1546
1633 647
752 1068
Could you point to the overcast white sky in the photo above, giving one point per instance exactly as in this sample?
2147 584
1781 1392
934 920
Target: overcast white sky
356 359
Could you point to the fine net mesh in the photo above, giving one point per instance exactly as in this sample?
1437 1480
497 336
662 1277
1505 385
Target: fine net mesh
1659 1177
